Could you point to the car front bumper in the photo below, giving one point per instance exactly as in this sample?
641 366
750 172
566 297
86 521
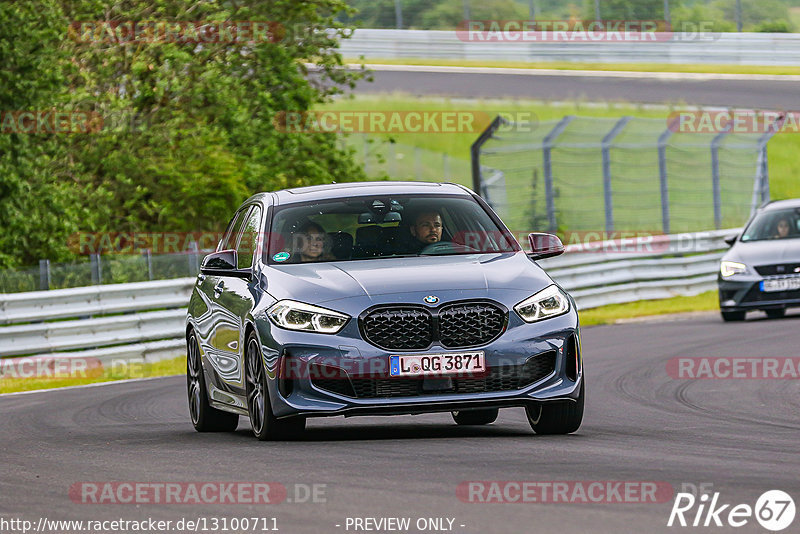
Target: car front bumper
298 391
744 294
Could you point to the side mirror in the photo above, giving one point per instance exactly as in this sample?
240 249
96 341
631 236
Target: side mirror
731 239
223 263
544 246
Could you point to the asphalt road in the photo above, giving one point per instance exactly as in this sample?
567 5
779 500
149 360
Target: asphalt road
741 93
640 425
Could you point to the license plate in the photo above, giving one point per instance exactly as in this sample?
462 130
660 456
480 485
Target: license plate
437 364
780 284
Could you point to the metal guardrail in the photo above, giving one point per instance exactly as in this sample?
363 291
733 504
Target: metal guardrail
720 48
145 321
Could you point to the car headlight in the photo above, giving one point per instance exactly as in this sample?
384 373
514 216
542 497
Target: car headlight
295 315
549 302
729 268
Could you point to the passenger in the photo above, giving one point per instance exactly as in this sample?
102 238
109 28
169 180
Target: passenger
311 244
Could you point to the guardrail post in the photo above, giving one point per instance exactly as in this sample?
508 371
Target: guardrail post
97 269
44 275
549 194
605 148
715 187
663 139
148 260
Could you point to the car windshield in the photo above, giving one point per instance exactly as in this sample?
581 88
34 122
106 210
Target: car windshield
371 227
774 224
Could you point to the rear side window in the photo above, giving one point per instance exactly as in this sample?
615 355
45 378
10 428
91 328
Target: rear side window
249 241
230 239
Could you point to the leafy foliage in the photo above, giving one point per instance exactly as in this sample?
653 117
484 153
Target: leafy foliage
188 129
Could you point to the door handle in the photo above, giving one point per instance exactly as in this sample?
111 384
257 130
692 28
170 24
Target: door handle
218 289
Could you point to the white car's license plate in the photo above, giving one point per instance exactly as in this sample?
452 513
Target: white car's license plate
437 364
780 284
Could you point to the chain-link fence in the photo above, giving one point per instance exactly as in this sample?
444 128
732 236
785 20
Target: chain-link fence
619 174
101 269
399 161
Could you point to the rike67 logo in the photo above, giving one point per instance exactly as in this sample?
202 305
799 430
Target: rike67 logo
774 510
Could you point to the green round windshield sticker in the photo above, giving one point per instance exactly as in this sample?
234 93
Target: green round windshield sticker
281 256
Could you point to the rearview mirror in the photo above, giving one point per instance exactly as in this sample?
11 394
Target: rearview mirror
544 245
731 239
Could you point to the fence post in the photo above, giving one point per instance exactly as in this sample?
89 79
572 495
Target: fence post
475 153
366 154
148 259
605 148
44 275
97 269
392 160
662 174
549 194
761 187
715 187
194 260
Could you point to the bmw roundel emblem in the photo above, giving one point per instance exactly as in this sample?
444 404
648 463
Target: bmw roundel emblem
430 299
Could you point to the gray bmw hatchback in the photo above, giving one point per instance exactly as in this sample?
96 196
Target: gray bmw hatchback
379 298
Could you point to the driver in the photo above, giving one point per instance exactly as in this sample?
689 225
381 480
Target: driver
426 229
781 228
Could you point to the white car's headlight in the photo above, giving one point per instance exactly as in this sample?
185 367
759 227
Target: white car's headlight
549 302
295 315
729 268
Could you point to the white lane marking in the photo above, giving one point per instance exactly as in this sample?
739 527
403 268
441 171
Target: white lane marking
694 76
93 385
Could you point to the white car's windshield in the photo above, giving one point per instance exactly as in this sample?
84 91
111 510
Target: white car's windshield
360 228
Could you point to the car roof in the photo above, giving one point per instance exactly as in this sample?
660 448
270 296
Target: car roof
350 189
782 204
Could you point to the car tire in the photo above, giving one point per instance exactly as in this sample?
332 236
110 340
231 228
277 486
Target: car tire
204 417
558 417
731 316
475 417
776 313
266 427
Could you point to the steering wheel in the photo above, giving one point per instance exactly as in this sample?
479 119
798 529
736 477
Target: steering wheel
441 247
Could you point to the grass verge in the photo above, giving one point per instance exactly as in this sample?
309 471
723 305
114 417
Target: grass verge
174 366
707 301
603 67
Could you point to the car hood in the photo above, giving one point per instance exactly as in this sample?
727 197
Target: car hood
765 252
473 275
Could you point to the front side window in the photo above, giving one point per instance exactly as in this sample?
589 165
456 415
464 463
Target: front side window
249 241
774 224
234 228
371 227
